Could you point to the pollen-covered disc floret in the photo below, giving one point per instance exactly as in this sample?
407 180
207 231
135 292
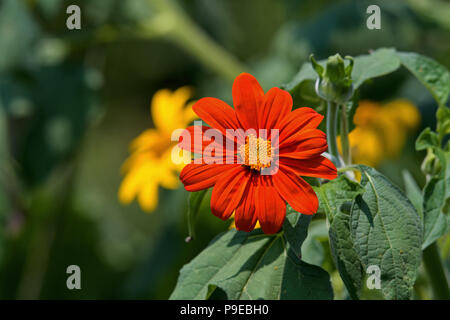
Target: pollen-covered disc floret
256 153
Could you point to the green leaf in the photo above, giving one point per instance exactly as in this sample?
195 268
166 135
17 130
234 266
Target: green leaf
195 200
306 73
336 197
379 63
295 229
312 249
434 76
344 254
436 199
387 232
253 265
337 194
305 95
317 67
427 139
413 192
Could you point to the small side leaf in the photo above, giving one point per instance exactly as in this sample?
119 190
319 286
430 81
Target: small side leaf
427 139
413 192
195 200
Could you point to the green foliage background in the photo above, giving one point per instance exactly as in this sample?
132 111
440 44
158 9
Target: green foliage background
71 101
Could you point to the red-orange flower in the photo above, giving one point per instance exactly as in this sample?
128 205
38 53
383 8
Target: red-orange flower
240 186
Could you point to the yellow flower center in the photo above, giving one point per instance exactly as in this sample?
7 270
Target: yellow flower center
256 153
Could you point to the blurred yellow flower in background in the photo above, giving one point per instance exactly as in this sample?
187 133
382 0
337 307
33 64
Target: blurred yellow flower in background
150 164
381 130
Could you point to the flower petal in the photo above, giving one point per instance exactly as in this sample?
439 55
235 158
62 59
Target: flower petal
319 167
200 138
196 177
295 191
216 113
148 197
245 216
270 207
167 108
248 97
147 140
277 105
228 191
298 120
129 187
304 144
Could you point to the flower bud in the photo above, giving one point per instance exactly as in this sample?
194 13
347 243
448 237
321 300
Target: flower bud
334 82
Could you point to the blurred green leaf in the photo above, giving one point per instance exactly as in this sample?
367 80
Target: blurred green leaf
436 202
427 139
434 76
50 7
376 64
251 265
306 73
387 232
18 30
435 10
305 95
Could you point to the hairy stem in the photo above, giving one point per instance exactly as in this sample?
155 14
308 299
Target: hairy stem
332 132
345 144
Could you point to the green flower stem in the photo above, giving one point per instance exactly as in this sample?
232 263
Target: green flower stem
346 152
172 22
436 273
332 132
